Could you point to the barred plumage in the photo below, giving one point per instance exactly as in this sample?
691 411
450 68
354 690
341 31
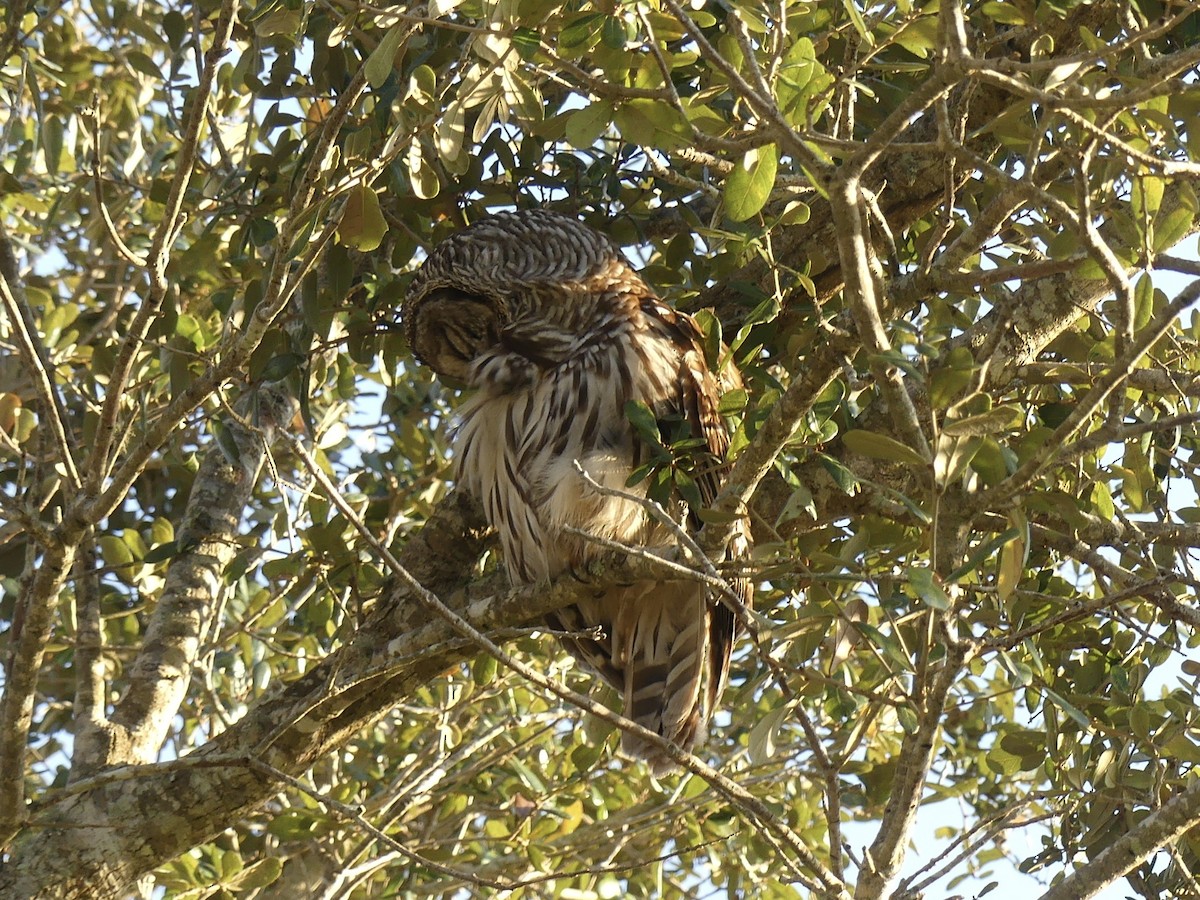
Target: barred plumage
555 332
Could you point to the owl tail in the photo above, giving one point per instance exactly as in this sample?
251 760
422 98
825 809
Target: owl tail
667 658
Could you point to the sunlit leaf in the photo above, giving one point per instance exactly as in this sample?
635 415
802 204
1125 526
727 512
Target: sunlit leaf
362 225
652 123
382 60
749 185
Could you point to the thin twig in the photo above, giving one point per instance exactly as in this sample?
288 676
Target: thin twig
91 115
770 826
158 256
36 358
997 496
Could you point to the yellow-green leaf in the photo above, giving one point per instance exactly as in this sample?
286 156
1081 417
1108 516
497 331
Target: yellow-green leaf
421 175
652 123
1013 556
362 225
450 132
584 126
382 60
1002 418
880 446
749 185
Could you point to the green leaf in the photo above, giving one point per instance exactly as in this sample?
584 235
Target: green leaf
363 225
803 83
887 644
52 142
161 552
1002 418
842 476
281 366
918 36
1002 763
947 382
1004 12
652 123
612 33
1170 229
115 552
733 402
175 27
1147 196
952 457
451 132
582 32
140 62
484 668
927 588
644 422
1069 708
584 126
261 874
859 23
1144 296
880 446
382 61
761 742
585 756
714 516
226 441
982 552
710 327
749 185
422 177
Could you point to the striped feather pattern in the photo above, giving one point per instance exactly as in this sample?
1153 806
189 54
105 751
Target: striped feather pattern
555 333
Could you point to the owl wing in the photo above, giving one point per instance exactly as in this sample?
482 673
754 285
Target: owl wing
701 400
674 638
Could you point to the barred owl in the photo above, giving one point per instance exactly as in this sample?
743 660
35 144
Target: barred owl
546 321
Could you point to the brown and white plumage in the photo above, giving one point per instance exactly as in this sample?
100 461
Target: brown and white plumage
546 321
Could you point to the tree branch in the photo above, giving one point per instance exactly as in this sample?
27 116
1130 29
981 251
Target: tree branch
36 358
1090 402
1165 825
107 831
205 543
160 250
33 622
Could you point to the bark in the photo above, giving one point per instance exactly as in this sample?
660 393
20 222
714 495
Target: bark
158 679
111 825
97 836
1162 827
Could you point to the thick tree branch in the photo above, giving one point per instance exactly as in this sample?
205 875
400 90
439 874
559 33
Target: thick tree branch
205 541
107 831
770 826
33 622
1164 826
1090 402
915 757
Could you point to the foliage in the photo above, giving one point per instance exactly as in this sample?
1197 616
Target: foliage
935 237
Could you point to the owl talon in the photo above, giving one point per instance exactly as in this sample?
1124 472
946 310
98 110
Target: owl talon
589 572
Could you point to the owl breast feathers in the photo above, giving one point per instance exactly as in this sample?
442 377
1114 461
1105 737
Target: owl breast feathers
542 317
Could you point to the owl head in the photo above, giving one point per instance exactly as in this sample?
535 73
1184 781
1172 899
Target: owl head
506 265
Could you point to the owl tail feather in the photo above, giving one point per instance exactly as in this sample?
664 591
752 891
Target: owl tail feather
666 671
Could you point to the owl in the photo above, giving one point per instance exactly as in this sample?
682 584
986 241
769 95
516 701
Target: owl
553 333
